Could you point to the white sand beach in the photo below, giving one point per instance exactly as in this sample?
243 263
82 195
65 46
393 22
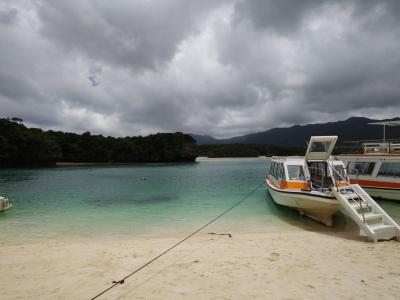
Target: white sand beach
293 264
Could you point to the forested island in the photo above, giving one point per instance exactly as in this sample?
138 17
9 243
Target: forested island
21 146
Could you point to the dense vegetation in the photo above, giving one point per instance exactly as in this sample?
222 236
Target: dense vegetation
22 146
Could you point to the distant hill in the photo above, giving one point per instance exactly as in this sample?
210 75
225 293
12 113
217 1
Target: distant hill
355 128
205 139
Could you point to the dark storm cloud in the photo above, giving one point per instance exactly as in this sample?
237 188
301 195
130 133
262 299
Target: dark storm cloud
287 16
339 57
213 67
8 15
281 16
137 34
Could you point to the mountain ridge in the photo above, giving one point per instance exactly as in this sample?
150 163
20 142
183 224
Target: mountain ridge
354 128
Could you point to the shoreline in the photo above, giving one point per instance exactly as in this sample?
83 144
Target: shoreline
206 158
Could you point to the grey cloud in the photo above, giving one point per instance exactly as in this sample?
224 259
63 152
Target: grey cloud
8 15
339 67
135 34
288 16
282 16
213 67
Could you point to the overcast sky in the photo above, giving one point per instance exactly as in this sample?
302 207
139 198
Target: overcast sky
224 68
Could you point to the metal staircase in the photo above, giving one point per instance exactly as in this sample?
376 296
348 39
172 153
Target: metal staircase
368 215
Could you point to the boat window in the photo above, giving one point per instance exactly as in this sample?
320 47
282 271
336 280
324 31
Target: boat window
278 171
296 172
360 167
281 171
274 169
340 174
390 169
271 169
320 146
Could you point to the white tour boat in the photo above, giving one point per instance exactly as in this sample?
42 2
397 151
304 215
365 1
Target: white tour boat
4 203
317 186
377 168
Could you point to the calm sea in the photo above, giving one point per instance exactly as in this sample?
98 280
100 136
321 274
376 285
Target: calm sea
154 199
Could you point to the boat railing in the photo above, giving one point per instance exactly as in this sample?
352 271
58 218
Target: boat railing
370 147
338 187
390 148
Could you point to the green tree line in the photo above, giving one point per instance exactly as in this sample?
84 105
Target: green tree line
22 146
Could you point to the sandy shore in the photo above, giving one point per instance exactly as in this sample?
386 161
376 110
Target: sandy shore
211 159
293 264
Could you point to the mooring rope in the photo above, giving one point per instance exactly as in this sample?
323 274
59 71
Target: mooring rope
115 283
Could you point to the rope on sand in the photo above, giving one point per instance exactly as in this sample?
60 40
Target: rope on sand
122 281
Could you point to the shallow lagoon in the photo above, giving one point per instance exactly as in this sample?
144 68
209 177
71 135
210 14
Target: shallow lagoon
134 200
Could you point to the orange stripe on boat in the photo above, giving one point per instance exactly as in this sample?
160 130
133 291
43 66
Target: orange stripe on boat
378 184
294 185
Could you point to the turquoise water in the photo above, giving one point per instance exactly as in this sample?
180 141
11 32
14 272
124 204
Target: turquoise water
115 201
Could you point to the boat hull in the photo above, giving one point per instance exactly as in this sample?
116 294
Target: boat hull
316 207
4 204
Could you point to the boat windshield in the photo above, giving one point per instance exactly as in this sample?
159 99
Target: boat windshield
296 172
319 175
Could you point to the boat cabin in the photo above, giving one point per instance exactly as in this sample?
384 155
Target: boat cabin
316 171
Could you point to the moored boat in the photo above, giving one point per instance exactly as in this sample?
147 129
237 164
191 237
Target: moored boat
379 174
4 203
317 186
304 183
376 166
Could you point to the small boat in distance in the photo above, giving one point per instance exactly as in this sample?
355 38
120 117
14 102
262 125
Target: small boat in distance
4 203
318 187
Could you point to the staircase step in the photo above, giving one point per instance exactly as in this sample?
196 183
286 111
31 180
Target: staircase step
348 197
359 205
371 216
383 231
381 227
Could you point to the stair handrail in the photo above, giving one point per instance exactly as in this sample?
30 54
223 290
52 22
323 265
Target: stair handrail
359 196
